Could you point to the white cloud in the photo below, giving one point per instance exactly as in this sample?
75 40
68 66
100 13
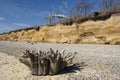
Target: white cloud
2 19
22 25
14 26
5 28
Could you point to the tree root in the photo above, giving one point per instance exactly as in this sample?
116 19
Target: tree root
47 63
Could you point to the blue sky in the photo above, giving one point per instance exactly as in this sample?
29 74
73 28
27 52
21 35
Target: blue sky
15 14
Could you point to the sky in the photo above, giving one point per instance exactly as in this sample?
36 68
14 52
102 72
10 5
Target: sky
16 14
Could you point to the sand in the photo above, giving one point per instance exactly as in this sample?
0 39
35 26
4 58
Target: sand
103 62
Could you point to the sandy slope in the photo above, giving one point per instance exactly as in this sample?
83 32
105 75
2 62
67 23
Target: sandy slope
12 69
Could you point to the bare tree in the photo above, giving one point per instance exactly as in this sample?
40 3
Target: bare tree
58 13
83 7
49 19
63 8
110 4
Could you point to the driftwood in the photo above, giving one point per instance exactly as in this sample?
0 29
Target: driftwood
47 63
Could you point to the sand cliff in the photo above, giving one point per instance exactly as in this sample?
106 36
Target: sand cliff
90 32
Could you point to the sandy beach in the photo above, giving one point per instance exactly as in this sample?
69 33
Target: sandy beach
103 61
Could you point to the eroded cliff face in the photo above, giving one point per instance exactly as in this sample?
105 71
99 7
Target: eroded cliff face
90 32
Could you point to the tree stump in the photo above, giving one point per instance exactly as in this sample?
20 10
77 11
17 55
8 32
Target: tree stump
47 63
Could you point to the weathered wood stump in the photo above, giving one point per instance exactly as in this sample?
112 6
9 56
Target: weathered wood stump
47 63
